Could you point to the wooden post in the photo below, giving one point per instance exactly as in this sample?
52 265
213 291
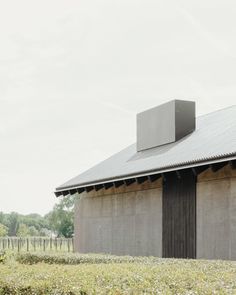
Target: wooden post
56 243
51 243
68 244
18 245
27 244
73 247
44 245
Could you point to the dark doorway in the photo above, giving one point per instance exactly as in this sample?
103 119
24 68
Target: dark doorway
179 215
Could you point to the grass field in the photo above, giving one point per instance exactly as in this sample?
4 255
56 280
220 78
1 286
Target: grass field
100 274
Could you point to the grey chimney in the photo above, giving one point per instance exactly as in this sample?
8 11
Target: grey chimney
164 124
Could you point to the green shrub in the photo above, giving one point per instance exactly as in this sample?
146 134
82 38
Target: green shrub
72 258
168 276
2 256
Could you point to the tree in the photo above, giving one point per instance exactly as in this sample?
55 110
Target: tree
3 230
2 217
33 232
59 221
12 223
61 218
23 230
35 220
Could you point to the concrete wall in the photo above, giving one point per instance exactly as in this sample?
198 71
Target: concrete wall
216 214
128 220
124 221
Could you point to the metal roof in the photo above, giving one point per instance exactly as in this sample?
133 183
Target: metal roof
213 140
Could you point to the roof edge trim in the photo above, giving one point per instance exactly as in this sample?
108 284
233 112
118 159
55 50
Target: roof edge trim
153 171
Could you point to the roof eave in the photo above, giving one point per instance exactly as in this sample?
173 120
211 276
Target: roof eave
180 166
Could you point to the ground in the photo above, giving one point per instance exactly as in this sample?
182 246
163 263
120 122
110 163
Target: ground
100 274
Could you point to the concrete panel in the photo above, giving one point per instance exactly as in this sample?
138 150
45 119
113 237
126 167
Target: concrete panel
141 234
77 224
86 210
129 235
117 204
128 223
118 235
128 204
155 225
216 216
94 207
99 239
232 208
105 234
142 203
155 235
123 238
106 209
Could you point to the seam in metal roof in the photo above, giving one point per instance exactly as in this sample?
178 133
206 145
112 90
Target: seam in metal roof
214 140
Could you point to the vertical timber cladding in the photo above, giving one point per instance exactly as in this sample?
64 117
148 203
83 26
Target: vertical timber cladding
179 215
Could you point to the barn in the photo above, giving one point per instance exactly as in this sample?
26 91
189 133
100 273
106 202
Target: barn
171 194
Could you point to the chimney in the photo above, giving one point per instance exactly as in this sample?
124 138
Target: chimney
165 124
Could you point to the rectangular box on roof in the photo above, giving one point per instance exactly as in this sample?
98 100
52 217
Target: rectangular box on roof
165 124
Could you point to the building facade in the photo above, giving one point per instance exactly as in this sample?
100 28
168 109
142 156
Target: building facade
129 220
174 199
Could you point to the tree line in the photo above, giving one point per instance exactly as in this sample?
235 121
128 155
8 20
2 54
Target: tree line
58 222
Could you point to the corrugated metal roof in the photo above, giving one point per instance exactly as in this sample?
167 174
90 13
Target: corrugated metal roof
213 139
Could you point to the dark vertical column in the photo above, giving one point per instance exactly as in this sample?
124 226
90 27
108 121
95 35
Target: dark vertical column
179 215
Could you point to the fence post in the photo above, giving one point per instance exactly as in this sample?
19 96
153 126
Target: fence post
27 244
68 245
44 245
56 243
36 244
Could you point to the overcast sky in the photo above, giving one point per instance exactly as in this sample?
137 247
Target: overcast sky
73 75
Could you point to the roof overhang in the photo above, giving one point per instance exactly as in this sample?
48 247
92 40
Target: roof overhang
214 163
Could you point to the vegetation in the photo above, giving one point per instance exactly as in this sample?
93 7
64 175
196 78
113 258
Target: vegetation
61 218
73 258
23 225
72 274
37 244
3 230
103 274
59 222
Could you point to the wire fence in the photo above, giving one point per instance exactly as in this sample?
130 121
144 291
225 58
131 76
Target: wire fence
41 244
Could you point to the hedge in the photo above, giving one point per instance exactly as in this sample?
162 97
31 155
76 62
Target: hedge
166 277
72 259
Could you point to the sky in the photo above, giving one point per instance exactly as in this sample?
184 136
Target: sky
74 74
